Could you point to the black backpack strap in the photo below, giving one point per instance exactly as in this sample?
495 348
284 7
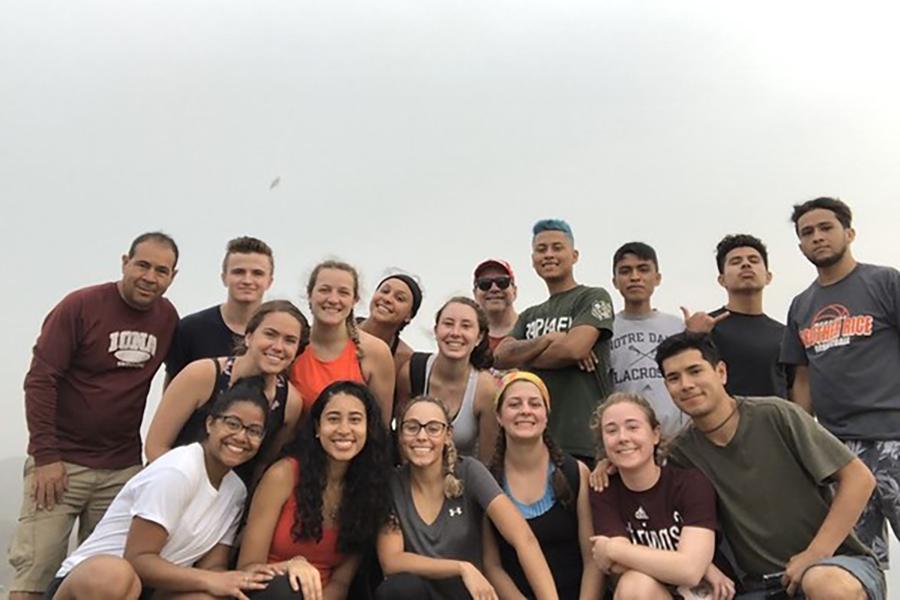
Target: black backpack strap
572 475
418 363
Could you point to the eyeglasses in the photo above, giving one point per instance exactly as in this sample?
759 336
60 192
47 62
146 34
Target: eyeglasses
411 428
235 425
484 283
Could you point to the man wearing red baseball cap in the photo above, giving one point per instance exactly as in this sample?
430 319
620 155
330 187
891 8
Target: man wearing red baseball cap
494 289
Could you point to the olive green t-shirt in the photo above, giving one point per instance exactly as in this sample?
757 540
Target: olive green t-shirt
573 393
771 480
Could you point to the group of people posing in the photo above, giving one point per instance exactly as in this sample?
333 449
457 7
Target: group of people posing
567 452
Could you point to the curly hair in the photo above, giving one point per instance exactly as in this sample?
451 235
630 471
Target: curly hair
365 499
481 357
561 488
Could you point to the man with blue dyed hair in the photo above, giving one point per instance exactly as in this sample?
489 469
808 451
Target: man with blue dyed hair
565 339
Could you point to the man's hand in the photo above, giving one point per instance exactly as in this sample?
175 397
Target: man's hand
797 566
599 477
590 363
701 322
50 482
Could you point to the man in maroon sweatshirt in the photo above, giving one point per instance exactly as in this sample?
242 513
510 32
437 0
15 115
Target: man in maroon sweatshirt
85 393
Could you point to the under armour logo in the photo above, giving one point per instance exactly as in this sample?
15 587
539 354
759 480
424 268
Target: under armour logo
455 512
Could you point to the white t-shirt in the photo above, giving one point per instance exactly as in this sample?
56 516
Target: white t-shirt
174 492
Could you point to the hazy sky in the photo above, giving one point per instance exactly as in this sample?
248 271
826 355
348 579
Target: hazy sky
428 135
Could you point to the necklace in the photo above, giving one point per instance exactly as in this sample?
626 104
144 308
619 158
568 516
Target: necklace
722 424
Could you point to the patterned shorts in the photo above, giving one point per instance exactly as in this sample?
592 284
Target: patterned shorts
883 459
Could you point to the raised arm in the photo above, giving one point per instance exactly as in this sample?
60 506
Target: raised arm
190 389
515 530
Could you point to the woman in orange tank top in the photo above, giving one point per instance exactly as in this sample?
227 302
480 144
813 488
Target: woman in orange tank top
337 349
317 510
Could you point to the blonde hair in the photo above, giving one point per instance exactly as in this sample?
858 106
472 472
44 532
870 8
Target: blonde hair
659 452
453 485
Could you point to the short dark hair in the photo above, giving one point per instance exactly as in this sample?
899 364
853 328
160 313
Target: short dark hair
739 240
154 236
639 249
247 389
247 245
687 340
835 205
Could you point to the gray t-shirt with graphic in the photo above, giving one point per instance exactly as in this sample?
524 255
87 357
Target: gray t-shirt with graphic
848 335
633 363
456 532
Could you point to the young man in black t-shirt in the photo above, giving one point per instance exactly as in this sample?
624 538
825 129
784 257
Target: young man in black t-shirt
247 271
747 338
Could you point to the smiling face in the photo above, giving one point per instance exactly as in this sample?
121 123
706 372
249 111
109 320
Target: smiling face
522 413
426 446
333 296
696 386
147 274
273 344
457 331
247 276
342 427
233 436
636 278
495 299
552 255
392 303
629 439
824 241
744 270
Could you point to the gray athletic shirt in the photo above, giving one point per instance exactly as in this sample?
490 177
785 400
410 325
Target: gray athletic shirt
848 334
456 532
633 363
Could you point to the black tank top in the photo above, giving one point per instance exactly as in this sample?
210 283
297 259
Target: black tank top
557 532
194 430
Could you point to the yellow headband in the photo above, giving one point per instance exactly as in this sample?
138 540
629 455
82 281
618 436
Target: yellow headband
514 376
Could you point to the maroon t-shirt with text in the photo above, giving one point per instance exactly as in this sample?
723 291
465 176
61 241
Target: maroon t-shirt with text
90 373
655 517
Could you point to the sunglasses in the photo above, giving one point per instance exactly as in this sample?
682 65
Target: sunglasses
485 283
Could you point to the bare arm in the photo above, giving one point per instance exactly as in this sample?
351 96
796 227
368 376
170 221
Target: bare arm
394 558
572 347
800 390
513 353
493 568
144 543
285 435
378 369
591 576
189 390
339 585
273 491
488 428
855 484
515 530
685 566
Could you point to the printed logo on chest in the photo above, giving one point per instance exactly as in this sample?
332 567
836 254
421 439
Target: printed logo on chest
834 326
132 348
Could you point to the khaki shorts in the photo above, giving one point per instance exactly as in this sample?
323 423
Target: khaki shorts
41 541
